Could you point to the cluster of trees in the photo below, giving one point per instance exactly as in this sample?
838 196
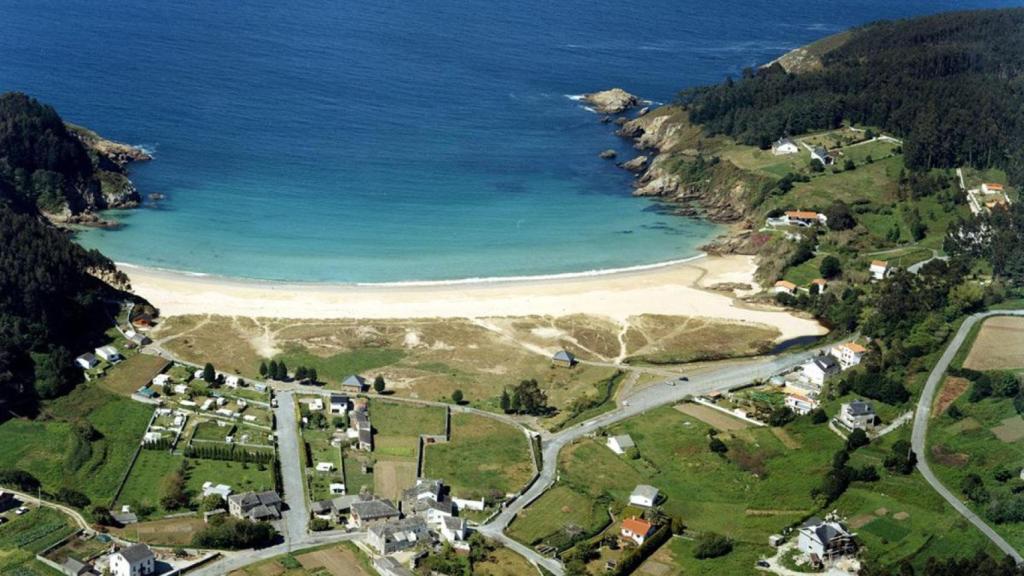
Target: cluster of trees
279 371
525 398
175 492
945 83
839 477
711 545
997 237
229 533
994 383
901 459
1002 504
232 452
980 563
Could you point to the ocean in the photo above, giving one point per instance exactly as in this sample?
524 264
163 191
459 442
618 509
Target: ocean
391 141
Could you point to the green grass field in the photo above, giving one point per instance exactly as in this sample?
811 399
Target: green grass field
483 456
738 562
145 485
320 447
337 367
557 508
33 532
131 374
45 447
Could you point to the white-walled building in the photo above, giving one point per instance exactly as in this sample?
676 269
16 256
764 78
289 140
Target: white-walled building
644 496
849 354
135 560
620 444
857 414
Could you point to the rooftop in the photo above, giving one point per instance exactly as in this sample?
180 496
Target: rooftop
136 553
646 491
636 525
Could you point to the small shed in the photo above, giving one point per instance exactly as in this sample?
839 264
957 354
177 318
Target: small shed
564 358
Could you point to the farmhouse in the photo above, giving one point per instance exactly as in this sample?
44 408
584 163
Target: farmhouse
825 539
857 414
396 535
108 353
143 321
621 443
135 560
232 381
991 188
355 383
339 404
388 566
849 354
800 404
820 369
879 269
644 496
563 358
256 505
784 287
784 146
821 155
805 218
453 530
87 361
371 512
428 500
137 338
636 530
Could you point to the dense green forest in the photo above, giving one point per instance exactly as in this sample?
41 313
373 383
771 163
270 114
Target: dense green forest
950 84
51 307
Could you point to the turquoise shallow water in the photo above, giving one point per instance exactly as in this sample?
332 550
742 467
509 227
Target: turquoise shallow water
390 141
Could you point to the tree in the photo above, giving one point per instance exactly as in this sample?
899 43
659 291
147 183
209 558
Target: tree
379 384
19 479
263 369
849 165
711 545
234 534
816 165
818 416
272 370
457 396
974 489
213 502
209 374
856 439
72 497
282 371
505 402
300 373
781 416
175 495
717 446
102 516
312 376
830 267
528 398
839 217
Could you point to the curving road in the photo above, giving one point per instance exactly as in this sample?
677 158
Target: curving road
920 434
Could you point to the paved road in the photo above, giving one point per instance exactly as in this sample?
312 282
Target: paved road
236 560
920 433
296 516
726 378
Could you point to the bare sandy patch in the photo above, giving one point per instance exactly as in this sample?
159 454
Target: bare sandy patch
998 345
951 390
1010 430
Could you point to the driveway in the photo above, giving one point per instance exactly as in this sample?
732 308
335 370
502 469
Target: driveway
296 516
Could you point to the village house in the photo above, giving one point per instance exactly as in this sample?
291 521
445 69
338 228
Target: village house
636 530
397 535
857 414
256 506
87 361
991 188
143 321
366 513
339 404
355 382
879 269
454 531
821 283
161 380
563 358
75 567
232 381
135 560
428 500
137 338
315 404
620 444
822 155
222 490
784 146
825 540
360 428
108 353
644 496
800 404
804 218
820 369
849 354
784 287
388 566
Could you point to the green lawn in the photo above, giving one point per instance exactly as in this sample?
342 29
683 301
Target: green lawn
145 486
401 419
556 509
35 531
802 274
47 448
354 477
337 367
320 447
133 373
484 456
738 562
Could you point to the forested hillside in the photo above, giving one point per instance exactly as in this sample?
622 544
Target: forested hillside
51 307
46 165
951 85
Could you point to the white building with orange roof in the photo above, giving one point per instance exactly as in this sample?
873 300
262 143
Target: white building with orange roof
805 218
821 283
879 269
784 287
848 353
800 404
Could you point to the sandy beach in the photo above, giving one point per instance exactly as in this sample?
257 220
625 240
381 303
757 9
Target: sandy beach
676 289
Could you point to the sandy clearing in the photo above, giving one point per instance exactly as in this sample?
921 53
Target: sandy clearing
670 290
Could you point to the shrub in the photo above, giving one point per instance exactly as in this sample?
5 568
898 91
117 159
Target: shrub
818 416
72 497
830 267
856 439
717 446
711 545
234 534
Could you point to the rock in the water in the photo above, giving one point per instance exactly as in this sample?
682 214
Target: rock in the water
606 119
608 154
636 164
611 101
643 111
621 121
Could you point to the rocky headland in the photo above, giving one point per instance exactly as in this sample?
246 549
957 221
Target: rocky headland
613 101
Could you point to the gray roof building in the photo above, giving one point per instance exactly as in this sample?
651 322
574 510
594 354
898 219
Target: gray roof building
370 511
355 381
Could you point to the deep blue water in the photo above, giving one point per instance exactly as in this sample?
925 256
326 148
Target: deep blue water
387 141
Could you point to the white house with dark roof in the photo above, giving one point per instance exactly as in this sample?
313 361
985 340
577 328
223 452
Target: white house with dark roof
339 404
108 353
87 361
821 155
857 414
256 506
821 368
135 560
644 496
784 146
825 539
354 382
620 444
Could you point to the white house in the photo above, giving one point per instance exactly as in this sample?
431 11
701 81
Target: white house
222 490
879 269
644 496
339 404
325 467
805 218
315 404
849 353
336 488
784 287
135 560
87 361
231 381
821 368
991 188
857 414
825 539
821 155
161 380
453 529
784 146
800 404
620 444
108 353
636 530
